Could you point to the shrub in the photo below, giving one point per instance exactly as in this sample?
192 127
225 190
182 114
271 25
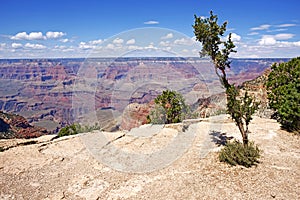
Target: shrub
170 108
157 115
236 153
74 129
284 93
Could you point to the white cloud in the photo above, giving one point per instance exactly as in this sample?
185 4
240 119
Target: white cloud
261 27
286 44
70 49
151 22
64 40
164 43
253 33
267 40
130 42
284 36
16 45
37 35
286 25
273 39
277 30
90 45
235 37
118 41
110 46
34 46
150 46
60 47
168 36
63 48
134 47
85 46
30 36
54 35
184 41
96 42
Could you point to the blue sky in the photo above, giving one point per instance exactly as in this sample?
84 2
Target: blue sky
65 28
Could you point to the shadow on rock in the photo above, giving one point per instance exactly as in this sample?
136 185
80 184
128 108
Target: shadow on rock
219 138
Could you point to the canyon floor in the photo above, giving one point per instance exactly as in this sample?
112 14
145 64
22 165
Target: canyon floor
67 168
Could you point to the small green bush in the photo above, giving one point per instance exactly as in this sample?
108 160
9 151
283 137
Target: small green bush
236 153
170 108
77 128
157 115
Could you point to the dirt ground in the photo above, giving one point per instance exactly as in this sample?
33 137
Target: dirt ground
67 168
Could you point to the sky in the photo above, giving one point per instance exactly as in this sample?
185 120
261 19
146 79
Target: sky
104 28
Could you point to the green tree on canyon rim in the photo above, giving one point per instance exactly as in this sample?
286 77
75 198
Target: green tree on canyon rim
284 93
214 45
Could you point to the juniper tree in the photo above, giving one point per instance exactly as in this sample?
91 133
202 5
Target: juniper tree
171 108
211 36
284 93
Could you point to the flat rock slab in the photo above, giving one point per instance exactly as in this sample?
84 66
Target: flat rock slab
67 168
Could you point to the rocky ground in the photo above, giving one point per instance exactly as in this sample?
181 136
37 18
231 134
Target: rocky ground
79 167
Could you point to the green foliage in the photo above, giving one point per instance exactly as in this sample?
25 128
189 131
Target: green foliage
284 93
157 115
170 108
74 129
240 109
210 34
235 153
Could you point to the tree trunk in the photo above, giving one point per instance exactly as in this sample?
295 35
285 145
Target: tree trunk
244 133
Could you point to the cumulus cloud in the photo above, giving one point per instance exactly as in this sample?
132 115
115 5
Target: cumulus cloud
130 42
273 39
134 47
16 45
64 40
90 44
110 46
261 27
168 36
286 44
235 37
150 46
85 46
118 41
37 35
34 46
30 36
151 22
267 40
184 41
164 43
54 35
96 42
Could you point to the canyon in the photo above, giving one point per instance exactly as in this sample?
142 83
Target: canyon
53 93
